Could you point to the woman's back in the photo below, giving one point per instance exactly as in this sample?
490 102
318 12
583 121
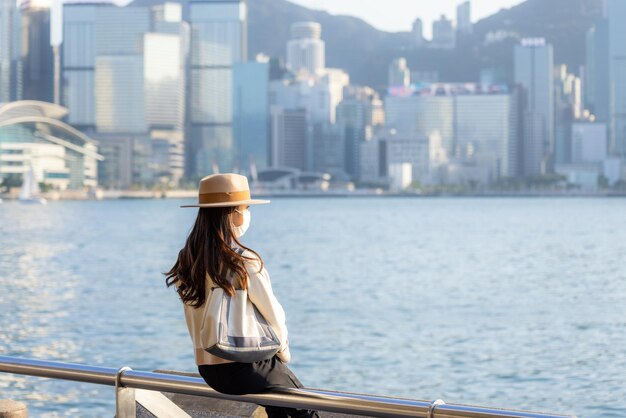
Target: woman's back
206 262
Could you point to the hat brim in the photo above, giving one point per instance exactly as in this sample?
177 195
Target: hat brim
227 204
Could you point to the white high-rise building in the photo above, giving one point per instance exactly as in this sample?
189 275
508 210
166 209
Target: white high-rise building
318 96
399 74
616 12
534 69
464 18
306 49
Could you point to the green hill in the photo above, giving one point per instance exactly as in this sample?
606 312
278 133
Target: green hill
365 52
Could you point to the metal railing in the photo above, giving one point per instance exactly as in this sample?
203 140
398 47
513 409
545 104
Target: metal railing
126 380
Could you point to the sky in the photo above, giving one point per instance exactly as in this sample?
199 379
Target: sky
398 15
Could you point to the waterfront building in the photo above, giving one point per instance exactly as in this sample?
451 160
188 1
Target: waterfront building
32 133
486 141
395 159
306 49
250 113
128 160
284 179
327 144
290 144
613 170
421 113
589 157
359 113
127 87
418 33
589 142
475 124
590 165
464 18
399 74
616 12
218 42
534 66
443 34
36 55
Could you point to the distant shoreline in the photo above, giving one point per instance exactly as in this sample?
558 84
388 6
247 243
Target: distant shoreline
191 194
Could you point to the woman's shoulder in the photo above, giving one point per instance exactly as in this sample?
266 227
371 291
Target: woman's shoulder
252 260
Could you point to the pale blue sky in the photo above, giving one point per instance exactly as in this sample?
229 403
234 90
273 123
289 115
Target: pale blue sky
398 15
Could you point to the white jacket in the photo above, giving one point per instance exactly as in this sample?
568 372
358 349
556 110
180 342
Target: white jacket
261 294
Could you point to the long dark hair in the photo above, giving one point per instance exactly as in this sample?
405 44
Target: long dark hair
208 251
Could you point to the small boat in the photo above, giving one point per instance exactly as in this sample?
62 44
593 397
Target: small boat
30 192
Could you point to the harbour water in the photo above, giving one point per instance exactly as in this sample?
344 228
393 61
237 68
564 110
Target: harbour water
517 303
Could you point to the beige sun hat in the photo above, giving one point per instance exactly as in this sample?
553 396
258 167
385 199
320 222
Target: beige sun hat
222 190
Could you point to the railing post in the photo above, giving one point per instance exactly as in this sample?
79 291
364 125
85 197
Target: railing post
433 405
125 406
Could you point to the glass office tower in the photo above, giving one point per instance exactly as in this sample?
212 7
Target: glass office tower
37 57
7 8
616 12
218 41
534 69
250 114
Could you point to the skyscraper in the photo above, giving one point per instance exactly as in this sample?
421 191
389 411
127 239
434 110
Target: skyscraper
7 10
443 34
360 111
250 113
418 33
290 138
568 108
534 65
464 18
79 50
306 49
616 12
597 95
218 41
124 81
37 57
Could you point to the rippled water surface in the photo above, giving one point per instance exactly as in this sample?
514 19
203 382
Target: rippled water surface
517 303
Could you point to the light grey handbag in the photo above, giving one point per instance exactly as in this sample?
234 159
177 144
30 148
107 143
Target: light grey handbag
233 328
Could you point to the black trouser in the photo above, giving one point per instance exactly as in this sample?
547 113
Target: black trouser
261 376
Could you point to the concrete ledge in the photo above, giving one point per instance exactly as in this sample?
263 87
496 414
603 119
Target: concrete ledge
200 407
12 409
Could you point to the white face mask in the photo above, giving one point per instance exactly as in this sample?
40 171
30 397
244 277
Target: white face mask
241 229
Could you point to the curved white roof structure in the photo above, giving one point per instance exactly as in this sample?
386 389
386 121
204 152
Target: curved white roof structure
45 118
31 108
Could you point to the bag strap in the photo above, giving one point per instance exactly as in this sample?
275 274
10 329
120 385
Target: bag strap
232 273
